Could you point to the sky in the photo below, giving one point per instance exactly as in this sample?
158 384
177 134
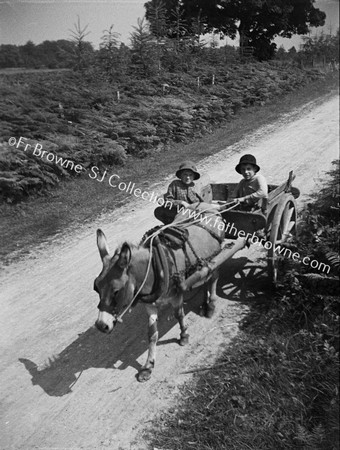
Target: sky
40 20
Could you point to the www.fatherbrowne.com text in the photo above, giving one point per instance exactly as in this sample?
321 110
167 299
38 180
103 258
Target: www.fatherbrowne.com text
192 214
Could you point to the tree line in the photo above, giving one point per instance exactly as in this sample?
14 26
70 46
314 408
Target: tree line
49 54
169 37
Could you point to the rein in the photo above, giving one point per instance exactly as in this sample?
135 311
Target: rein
119 317
190 222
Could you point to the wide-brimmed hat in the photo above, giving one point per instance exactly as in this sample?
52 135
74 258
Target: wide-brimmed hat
247 159
188 165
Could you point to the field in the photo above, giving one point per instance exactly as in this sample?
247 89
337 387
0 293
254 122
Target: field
102 124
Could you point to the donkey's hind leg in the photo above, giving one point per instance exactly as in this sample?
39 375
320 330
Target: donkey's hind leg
145 372
210 296
179 314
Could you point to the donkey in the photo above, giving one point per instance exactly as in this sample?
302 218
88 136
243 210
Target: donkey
129 271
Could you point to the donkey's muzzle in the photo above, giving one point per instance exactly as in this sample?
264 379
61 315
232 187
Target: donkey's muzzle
105 322
103 327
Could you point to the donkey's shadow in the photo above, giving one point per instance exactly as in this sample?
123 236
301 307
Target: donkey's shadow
116 351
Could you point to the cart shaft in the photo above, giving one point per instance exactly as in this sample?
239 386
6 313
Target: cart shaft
203 273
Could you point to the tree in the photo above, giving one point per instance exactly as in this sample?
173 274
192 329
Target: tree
281 53
65 53
109 53
292 53
158 25
262 20
324 47
157 17
29 55
169 17
124 59
177 26
83 48
144 57
47 53
10 56
257 22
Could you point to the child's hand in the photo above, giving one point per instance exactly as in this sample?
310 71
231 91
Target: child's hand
185 204
240 200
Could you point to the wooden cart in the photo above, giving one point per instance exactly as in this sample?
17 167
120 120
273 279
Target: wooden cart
276 217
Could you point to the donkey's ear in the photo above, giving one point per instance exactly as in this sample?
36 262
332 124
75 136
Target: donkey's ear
124 256
102 244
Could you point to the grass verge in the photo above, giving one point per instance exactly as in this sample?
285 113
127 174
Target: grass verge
81 200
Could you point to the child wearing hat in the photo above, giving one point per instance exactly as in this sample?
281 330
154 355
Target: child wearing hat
252 191
180 192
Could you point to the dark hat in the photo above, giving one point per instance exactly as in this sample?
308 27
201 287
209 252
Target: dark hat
188 165
247 159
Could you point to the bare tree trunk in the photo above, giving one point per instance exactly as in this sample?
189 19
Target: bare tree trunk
244 39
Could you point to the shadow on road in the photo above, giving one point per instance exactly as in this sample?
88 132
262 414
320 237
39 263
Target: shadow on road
248 283
243 280
116 351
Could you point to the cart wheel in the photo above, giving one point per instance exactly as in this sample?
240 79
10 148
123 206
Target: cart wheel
282 229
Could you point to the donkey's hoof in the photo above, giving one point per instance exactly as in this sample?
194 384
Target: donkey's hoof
184 340
144 375
209 312
203 311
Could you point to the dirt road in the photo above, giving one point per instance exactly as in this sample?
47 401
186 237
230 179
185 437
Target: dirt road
66 386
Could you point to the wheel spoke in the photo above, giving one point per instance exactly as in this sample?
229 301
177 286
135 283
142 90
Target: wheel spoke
291 226
288 223
288 214
281 229
286 218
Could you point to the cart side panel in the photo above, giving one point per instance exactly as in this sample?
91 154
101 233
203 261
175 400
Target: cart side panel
275 191
220 191
216 191
241 221
207 193
223 191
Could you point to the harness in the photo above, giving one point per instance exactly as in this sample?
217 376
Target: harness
161 269
163 241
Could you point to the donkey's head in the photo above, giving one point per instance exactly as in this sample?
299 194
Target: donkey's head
114 284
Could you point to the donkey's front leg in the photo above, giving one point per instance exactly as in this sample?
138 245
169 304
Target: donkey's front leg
145 372
179 314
